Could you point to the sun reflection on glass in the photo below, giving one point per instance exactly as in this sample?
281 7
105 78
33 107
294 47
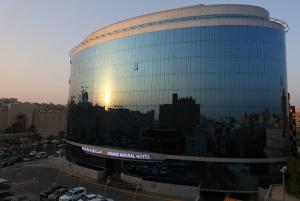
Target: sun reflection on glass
107 98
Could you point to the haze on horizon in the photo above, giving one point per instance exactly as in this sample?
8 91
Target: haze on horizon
36 37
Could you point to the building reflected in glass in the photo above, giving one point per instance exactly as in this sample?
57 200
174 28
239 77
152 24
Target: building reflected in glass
201 81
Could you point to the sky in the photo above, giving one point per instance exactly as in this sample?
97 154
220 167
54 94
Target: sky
36 36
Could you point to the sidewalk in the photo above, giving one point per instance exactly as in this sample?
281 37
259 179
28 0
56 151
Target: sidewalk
277 194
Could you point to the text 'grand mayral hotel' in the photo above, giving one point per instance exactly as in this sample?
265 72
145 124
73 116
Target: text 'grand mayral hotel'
189 96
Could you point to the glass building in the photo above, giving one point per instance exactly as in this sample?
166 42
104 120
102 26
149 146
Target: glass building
178 91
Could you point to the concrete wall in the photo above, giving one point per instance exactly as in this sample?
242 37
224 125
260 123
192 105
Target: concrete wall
163 188
73 169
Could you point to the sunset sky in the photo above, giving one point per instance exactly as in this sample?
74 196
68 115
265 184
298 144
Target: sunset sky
36 36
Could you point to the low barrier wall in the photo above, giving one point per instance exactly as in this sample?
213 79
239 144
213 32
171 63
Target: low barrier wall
74 169
163 188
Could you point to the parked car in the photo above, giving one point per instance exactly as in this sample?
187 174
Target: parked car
91 197
56 194
35 144
54 141
60 152
27 159
74 194
7 163
48 191
2 153
41 155
3 163
32 153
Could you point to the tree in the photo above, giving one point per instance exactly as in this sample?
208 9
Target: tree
19 126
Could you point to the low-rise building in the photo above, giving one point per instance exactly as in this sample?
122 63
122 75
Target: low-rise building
46 119
50 119
4 101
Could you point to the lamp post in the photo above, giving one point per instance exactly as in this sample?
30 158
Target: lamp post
136 189
105 189
283 171
198 197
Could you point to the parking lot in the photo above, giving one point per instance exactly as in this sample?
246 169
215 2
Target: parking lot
27 168
25 165
34 177
12 152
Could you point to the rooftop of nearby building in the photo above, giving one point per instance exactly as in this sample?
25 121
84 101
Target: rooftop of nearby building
5 103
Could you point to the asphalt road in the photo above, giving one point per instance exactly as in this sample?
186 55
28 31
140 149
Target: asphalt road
35 176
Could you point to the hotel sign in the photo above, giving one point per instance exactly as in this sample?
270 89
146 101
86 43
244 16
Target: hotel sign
91 150
129 155
121 154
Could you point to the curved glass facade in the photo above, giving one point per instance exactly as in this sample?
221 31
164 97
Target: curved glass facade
217 89
228 70
217 74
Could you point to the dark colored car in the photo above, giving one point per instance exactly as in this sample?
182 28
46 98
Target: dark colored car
56 194
44 194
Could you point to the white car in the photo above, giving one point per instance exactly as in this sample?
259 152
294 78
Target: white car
54 141
35 144
74 194
41 155
91 197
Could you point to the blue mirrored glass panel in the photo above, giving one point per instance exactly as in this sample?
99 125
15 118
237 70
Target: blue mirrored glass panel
228 70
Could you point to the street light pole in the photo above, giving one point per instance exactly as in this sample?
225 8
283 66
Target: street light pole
283 178
136 189
283 171
107 181
198 197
